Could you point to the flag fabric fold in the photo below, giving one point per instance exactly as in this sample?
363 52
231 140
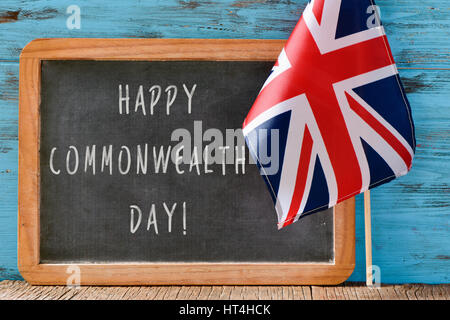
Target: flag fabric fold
333 111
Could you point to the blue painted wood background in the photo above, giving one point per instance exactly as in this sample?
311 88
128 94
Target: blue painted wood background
410 219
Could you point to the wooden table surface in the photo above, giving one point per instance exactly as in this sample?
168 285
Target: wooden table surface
20 290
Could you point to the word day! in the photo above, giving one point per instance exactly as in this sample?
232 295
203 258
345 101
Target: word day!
138 215
146 102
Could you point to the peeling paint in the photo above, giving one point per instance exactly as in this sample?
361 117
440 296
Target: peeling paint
11 274
247 3
189 4
415 83
9 16
45 13
12 16
412 187
9 88
146 35
4 149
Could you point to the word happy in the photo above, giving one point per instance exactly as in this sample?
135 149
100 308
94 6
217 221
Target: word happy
146 102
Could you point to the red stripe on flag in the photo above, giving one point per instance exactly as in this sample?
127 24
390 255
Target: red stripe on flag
381 130
318 9
302 174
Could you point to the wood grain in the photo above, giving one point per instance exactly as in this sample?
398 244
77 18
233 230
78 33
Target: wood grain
153 49
20 290
151 273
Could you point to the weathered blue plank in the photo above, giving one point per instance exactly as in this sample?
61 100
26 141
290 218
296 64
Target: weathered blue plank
9 82
410 216
419 30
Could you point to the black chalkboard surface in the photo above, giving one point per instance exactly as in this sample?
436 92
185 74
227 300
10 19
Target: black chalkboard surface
133 170
90 213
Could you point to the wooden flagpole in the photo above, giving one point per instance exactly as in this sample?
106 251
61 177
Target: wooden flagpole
368 233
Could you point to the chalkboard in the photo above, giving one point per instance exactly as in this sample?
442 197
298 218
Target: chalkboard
144 163
86 215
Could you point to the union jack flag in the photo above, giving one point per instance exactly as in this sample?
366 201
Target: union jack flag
335 99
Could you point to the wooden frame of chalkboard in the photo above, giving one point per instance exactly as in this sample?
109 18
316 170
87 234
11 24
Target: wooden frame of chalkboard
29 262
